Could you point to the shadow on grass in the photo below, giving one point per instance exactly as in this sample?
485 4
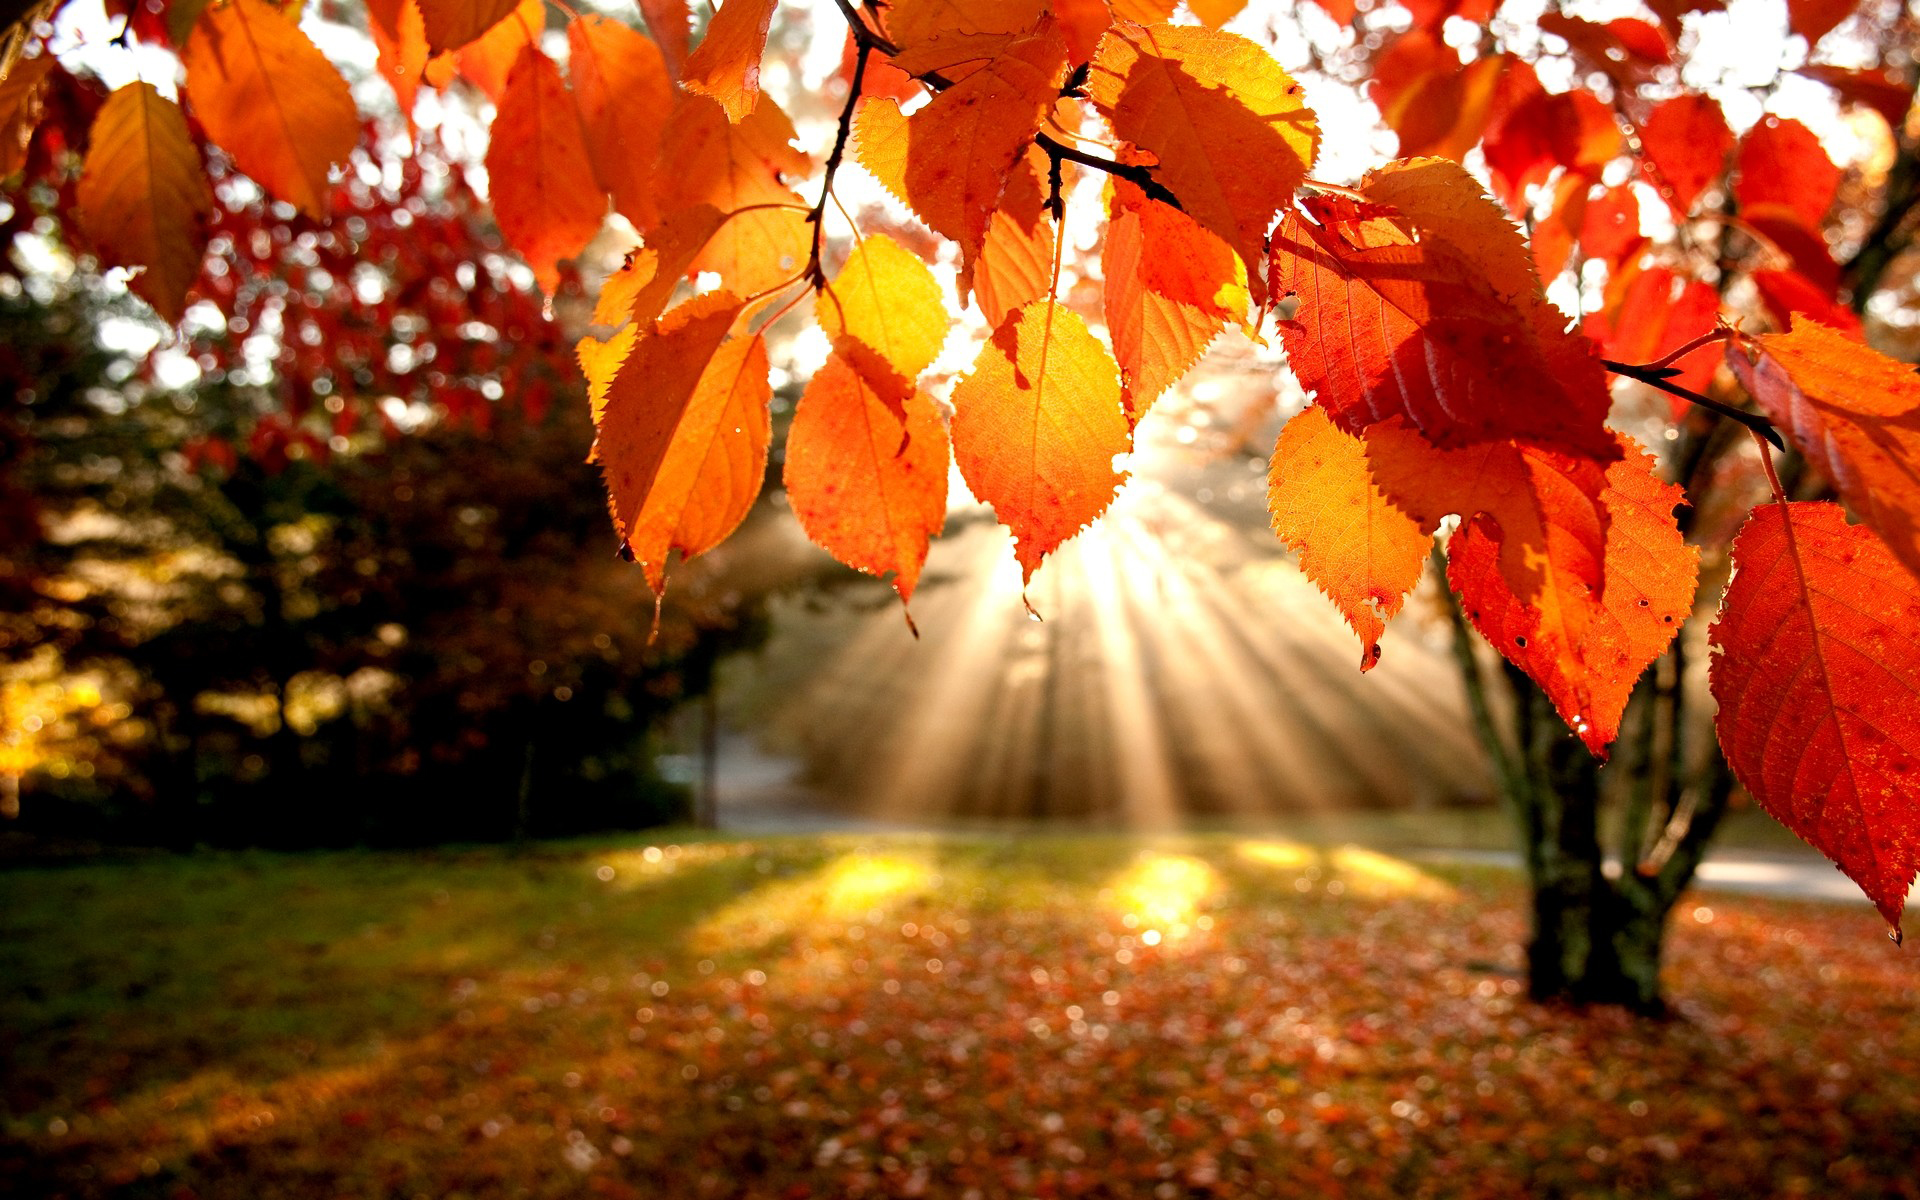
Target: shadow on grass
913 1016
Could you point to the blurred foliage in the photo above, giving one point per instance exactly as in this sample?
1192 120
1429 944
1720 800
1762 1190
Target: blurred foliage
386 637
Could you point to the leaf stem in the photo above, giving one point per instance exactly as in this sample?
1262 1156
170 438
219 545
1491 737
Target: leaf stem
1706 339
1656 376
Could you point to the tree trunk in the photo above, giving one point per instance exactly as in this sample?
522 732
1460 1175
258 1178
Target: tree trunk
1598 920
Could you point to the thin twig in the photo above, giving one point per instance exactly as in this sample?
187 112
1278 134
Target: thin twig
863 49
1141 177
1658 377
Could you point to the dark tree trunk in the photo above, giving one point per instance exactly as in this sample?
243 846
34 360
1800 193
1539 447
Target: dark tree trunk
1598 917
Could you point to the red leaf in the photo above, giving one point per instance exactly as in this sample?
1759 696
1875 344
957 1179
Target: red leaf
1781 163
451 24
1433 313
1584 643
1687 142
1788 292
1814 19
1817 675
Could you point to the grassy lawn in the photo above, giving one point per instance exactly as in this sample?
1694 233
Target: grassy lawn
823 1017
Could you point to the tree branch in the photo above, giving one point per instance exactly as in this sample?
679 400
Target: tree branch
1141 177
1659 377
863 49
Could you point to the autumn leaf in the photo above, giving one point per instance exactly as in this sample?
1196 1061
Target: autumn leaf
1434 104
1171 287
21 100
1584 644
1651 312
640 289
726 64
1854 413
1686 141
1036 426
543 190
956 37
866 488
487 61
144 197
1426 306
623 93
1014 266
1785 293
683 439
671 25
633 296
402 54
269 97
886 316
1880 90
451 24
1610 227
1781 164
1364 553
708 160
951 159
1814 19
1231 133
1815 675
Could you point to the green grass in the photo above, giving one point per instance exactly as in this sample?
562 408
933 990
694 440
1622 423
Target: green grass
912 1015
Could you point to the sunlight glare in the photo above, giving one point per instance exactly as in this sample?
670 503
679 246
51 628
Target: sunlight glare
1165 891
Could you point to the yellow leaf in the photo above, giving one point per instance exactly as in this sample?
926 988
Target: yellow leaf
1364 553
1036 426
886 317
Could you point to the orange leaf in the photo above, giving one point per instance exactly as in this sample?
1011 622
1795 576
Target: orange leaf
1364 553
866 489
623 93
955 37
144 197
707 159
1082 23
1426 306
1015 263
600 361
726 65
951 159
1215 13
542 184
683 440
1816 677
487 61
672 28
1655 313
1171 288
403 54
269 97
640 289
1231 133
451 24
1036 426
21 96
1782 163
1585 643
886 317
1686 142
1854 413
